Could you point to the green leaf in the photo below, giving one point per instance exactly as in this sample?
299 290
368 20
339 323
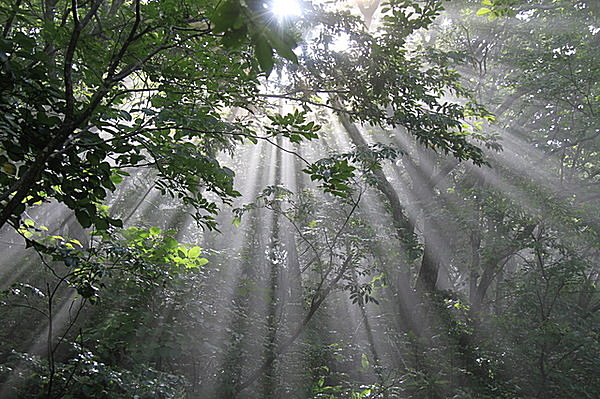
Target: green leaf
194 252
171 243
116 178
115 222
202 261
154 231
264 55
483 11
234 38
83 218
283 48
226 16
101 223
9 168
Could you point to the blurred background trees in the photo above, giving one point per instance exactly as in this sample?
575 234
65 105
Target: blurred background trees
415 184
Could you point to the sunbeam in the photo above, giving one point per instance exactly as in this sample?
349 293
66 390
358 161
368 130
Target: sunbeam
299 199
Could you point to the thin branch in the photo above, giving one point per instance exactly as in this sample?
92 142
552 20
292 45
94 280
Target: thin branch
116 59
70 53
10 19
286 150
20 305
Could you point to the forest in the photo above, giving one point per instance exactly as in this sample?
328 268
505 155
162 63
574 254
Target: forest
306 199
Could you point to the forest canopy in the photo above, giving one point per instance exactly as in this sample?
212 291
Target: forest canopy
326 199
95 86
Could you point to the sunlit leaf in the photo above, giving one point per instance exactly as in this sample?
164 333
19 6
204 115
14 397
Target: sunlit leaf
194 252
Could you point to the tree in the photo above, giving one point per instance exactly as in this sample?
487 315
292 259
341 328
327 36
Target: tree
88 90
372 278
523 218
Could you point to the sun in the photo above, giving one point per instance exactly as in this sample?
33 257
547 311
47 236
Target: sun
285 8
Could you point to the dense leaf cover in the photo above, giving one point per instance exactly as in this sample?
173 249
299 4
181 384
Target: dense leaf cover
419 213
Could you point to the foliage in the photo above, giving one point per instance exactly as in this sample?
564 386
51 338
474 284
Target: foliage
114 109
150 254
379 81
310 292
243 20
83 376
81 101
